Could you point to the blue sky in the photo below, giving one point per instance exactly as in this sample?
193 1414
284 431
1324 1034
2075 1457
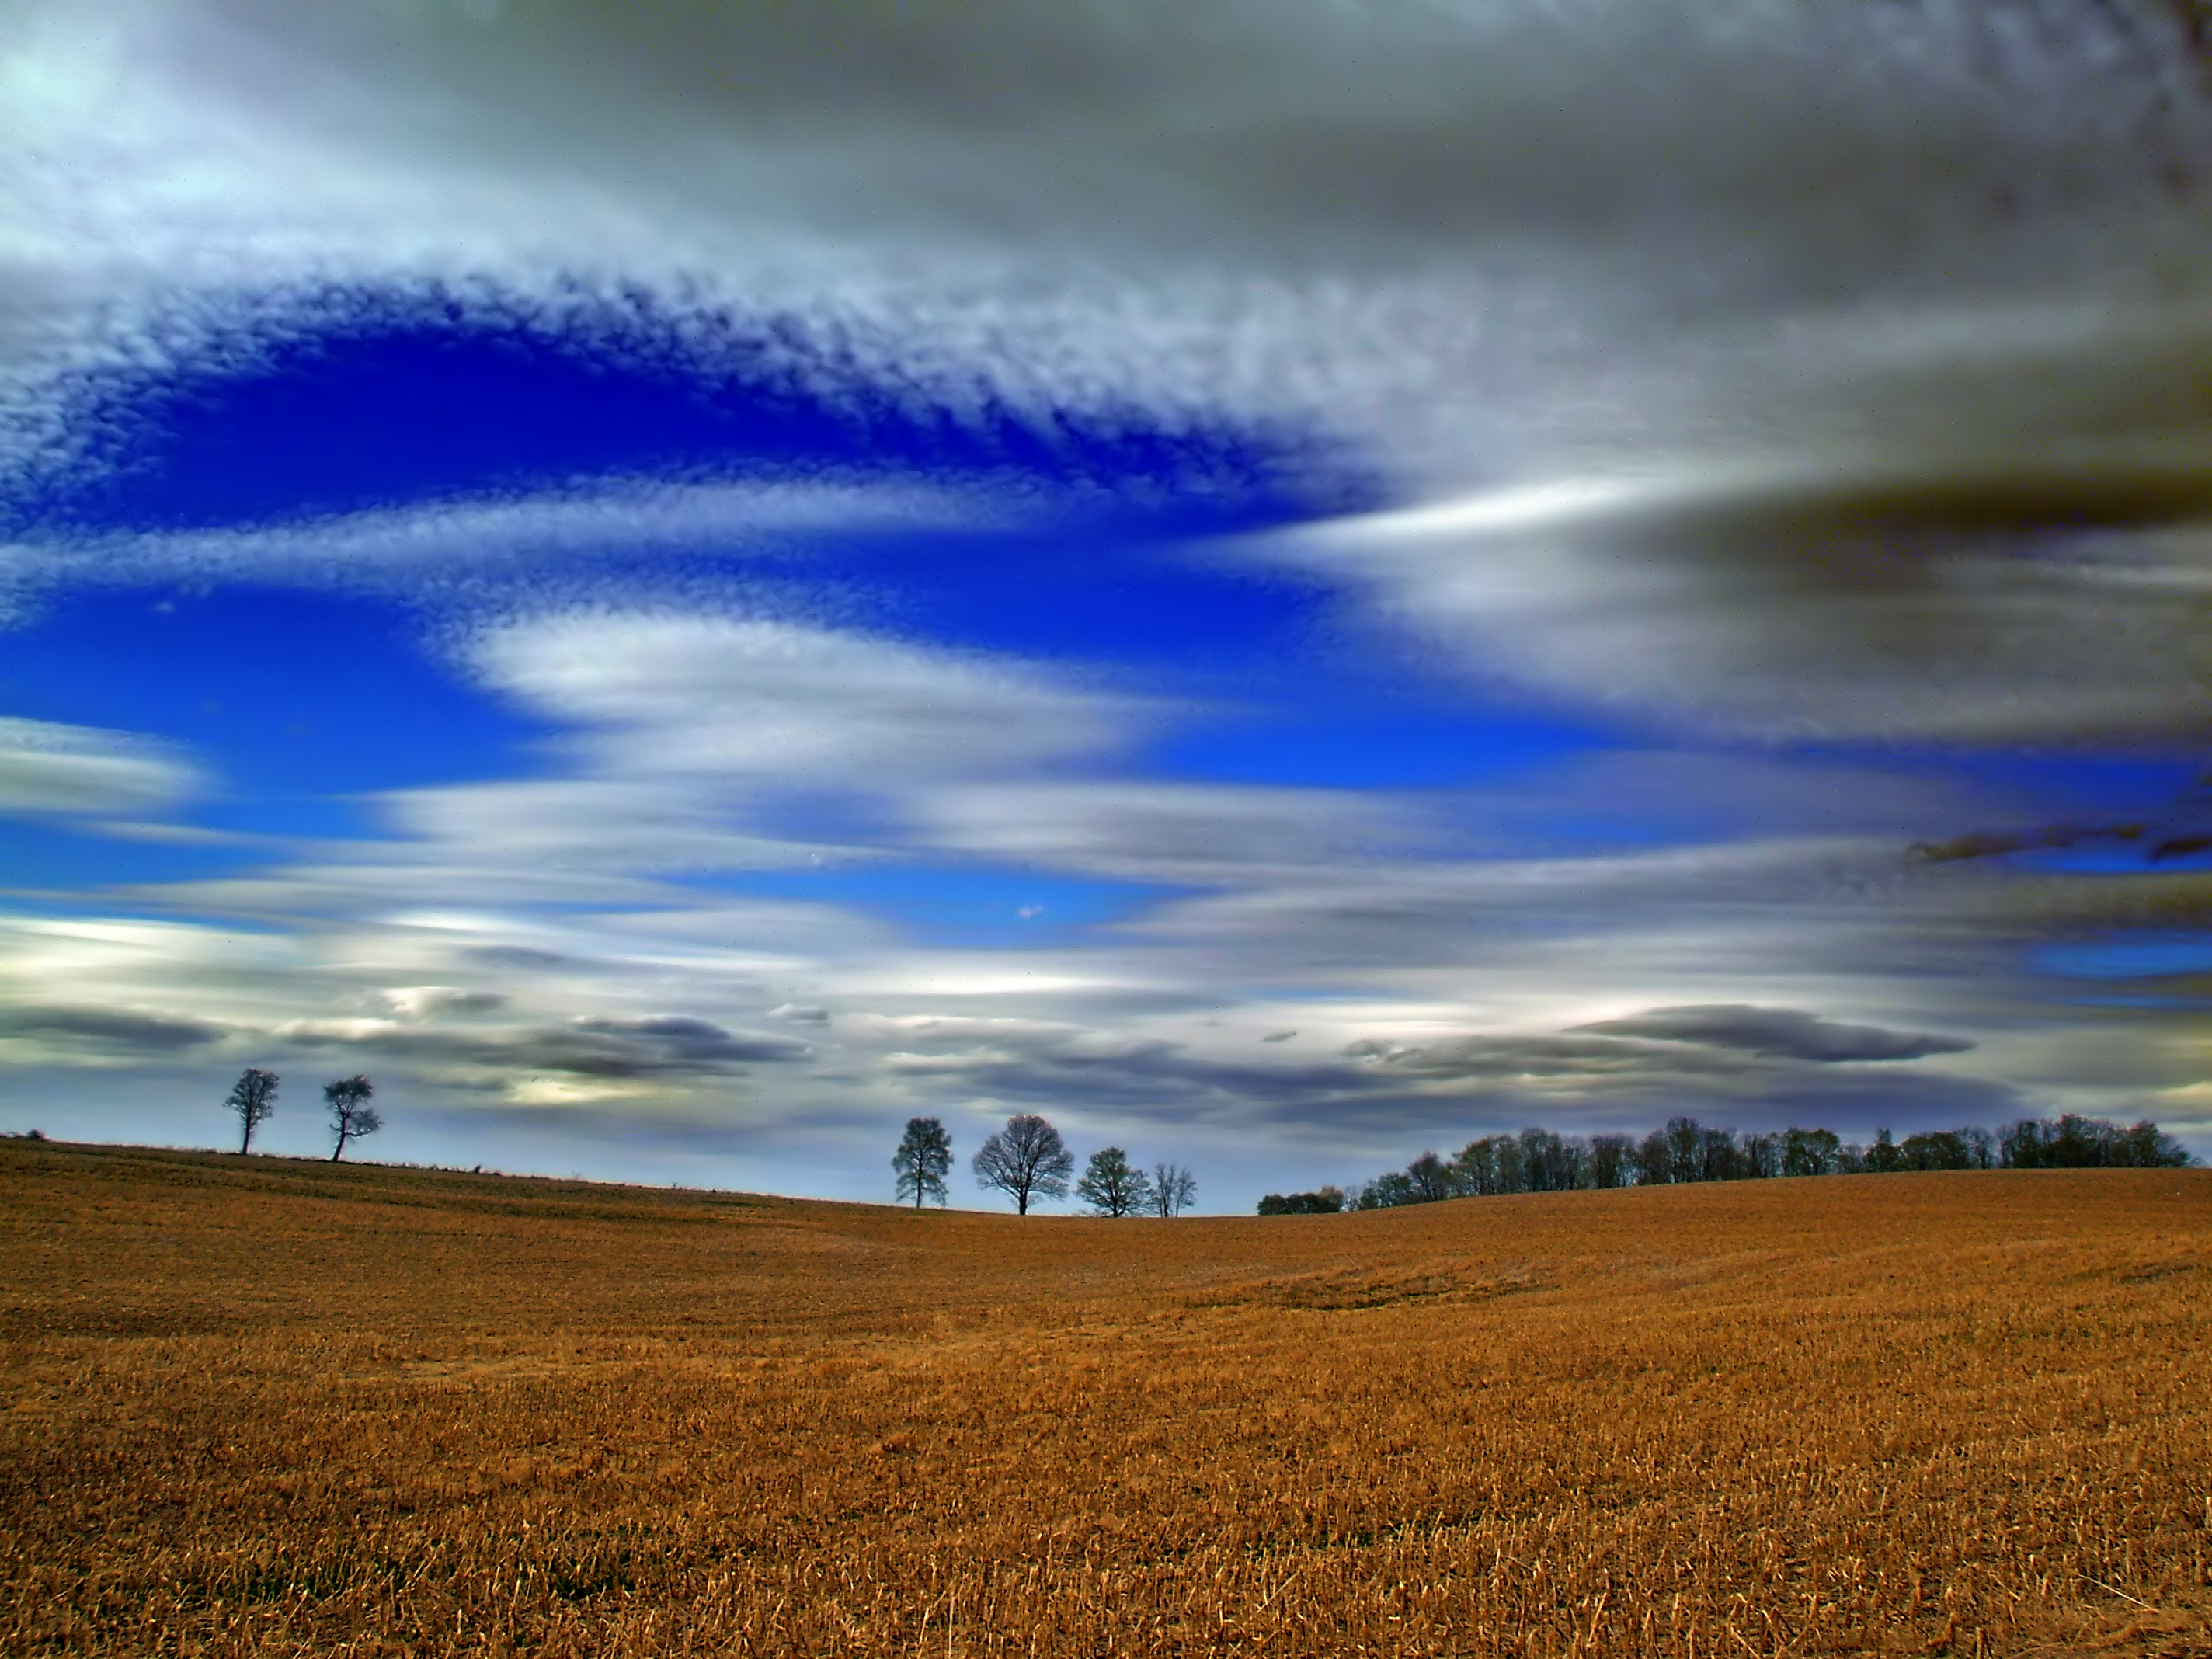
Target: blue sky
678 597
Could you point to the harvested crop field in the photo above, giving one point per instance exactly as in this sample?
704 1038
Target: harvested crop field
257 1406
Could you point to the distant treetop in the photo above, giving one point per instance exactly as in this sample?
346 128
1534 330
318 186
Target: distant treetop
1539 1160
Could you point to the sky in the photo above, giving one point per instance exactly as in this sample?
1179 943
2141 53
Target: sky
1280 582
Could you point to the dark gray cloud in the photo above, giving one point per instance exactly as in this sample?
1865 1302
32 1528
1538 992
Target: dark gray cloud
1398 914
1491 1059
1276 131
695 1042
443 1001
1042 1065
110 1029
522 957
656 1045
1962 595
1466 1084
1635 1081
1777 1033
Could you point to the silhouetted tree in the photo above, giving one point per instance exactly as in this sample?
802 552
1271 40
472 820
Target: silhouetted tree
1386 1192
351 1116
1981 1146
1612 1161
1431 1179
1937 1149
1112 1185
1175 1189
1760 1156
923 1159
1884 1157
2140 1147
2073 1142
2021 1145
1492 1165
1328 1201
1686 1149
1505 1164
1550 1163
1539 1160
1024 1160
1717 1155
253 1097
1810 1151
1481 1170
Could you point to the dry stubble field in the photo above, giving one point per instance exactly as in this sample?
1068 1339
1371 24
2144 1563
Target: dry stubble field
260 1405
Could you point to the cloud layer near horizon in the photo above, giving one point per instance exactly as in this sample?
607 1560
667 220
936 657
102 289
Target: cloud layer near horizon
895 465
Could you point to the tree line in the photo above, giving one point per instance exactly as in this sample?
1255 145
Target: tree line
1027 1160
253 1097
1542 1161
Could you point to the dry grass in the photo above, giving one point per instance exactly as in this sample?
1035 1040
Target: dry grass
257 1406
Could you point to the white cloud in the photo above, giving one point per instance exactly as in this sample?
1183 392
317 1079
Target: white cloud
50 768
1968 599
473 554
441 1001
578 828
449 950
1439 227
1174 833
789 705
1917 265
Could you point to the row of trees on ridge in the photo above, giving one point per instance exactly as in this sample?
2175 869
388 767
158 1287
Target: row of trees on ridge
253 1097
1542 1161
1027 1160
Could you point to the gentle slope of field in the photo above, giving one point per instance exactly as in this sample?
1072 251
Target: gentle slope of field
256 1406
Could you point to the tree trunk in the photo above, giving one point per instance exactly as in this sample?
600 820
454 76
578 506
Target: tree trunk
339 1149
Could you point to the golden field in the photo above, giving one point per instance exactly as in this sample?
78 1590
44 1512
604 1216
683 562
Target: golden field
260 1406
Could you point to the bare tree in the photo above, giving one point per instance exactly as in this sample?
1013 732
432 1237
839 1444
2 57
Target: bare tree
1432 1178
1173 1189
1112 1185
922 1160
1761 1155
253 1097
1024 1160
1686 1149
1810 1151
1612 1160
351 1116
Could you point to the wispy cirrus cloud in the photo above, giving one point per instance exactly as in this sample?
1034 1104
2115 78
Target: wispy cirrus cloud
1397 215
49 768
791 706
